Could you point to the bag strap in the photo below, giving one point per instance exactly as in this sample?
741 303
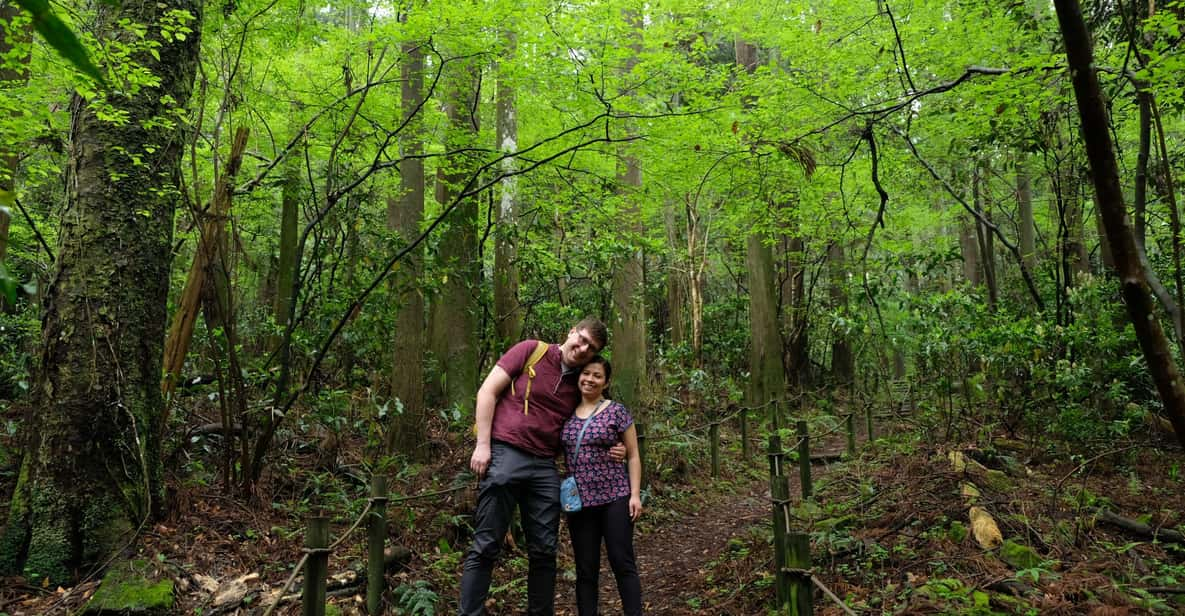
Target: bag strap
529 367
588 419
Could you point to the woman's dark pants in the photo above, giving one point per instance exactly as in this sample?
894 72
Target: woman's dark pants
611 523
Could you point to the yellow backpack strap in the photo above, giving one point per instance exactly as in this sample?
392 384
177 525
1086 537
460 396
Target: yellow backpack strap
536 355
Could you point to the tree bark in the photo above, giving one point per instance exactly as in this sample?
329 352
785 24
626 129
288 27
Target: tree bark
969 248
987 252
629 301
459 264
1105 172
843 366
408 431
767 372
795 314
1140 194
508 318
1028 227
676 320
92 472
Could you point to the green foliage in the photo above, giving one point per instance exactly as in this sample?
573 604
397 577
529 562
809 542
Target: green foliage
1028 370
415 599
60 37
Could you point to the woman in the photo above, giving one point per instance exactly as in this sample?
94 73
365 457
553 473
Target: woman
611 496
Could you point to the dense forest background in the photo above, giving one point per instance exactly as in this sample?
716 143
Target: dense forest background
260 247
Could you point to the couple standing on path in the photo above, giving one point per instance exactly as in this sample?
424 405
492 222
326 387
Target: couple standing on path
525 413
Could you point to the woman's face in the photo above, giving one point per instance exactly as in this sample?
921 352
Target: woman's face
592 380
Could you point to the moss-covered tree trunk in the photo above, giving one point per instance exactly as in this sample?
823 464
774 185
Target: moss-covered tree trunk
91 474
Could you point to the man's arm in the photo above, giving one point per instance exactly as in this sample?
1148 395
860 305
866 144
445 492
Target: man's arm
487 397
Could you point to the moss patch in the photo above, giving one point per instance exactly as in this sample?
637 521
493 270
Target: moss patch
1019 556
128 589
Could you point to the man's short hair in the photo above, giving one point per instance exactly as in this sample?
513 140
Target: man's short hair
596 330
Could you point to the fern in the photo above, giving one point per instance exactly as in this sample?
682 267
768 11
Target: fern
416 599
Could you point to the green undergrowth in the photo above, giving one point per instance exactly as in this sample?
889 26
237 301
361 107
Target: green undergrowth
891 532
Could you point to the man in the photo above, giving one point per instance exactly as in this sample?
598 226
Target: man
518 439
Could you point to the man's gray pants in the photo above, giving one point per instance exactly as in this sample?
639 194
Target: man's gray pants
514 477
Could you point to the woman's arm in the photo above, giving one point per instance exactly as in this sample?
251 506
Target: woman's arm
634 461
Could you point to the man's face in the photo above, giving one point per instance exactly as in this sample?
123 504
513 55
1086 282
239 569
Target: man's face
579 348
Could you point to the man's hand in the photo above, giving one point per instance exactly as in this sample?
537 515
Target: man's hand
480 460
617 452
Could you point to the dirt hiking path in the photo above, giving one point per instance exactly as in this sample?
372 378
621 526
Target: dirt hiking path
697 560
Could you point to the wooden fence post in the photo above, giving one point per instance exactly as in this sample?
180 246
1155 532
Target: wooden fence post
797 570
779 490
714 443
804 460
851 425
376 570
316 542
775 454
746 446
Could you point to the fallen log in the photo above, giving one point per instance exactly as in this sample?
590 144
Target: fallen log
1166 590
1011 587
1138 528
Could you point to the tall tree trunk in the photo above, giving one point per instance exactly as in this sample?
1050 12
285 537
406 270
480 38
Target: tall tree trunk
1105 172
629 301
508 318
456 308
767 380
969 248
1028 227
409 429
1074 256
795 313
843 362
1140 194
287 268
92 472
987 251
765 342
677 275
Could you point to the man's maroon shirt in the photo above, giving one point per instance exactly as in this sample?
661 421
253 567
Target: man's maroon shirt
554 397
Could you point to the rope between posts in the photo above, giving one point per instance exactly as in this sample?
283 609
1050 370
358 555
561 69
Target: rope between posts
698 428
830 595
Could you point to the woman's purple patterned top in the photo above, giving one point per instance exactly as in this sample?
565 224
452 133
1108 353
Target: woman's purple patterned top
600 479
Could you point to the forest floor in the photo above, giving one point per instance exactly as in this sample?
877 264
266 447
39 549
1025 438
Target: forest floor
890 530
